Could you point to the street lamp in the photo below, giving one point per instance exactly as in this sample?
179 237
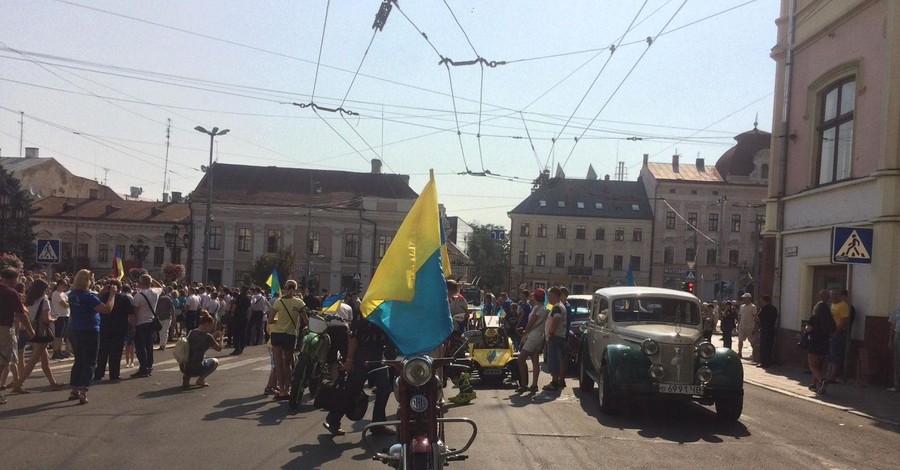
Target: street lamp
212 137
139 252
175 243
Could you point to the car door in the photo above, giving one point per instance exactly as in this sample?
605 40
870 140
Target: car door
597 329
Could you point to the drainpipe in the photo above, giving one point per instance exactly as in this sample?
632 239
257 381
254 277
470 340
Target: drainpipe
782 158
374 242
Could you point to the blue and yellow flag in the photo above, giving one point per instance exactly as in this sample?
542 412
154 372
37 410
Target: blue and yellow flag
407 297
118 269
332 303
273 282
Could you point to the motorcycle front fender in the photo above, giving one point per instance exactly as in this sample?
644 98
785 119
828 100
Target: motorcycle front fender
420 444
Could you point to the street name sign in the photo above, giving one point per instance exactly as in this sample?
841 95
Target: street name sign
851 245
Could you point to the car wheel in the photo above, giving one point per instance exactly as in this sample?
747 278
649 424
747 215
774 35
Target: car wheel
730 407
605 394
585 382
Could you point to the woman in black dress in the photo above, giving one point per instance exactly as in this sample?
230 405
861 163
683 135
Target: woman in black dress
818 331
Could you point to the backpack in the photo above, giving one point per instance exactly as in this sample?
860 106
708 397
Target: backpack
182 350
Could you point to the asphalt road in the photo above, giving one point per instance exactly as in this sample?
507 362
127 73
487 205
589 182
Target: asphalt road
151 423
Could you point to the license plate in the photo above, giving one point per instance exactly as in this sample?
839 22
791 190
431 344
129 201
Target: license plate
492 371
681 389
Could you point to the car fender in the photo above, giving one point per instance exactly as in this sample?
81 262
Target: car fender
626 365
728 372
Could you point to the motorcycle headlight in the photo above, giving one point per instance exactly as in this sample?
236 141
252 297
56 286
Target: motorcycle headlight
704 374
657 371
706 350
650 347
417 371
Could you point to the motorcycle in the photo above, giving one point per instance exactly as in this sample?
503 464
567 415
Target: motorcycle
310 358
421 442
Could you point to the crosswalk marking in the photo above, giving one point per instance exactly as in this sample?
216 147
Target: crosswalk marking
232 365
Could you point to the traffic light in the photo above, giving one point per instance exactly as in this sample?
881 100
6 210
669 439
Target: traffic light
689 287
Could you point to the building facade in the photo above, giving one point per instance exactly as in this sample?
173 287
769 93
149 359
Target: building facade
707 219
583 234
43 177
837 164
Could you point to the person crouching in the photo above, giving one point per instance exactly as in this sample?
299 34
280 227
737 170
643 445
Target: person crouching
200 340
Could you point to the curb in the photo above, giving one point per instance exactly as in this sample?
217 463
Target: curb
847 409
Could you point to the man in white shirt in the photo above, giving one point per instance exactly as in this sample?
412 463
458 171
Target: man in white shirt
141 322
746 322
59 315
258 308
191 310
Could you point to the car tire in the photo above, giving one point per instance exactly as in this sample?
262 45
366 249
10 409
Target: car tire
729 407
605 395
585 382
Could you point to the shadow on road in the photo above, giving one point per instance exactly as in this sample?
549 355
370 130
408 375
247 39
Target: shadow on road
675 420
258 407
165 392
28 410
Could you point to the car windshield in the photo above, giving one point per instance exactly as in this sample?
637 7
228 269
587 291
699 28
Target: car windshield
580 308
472 295
656 310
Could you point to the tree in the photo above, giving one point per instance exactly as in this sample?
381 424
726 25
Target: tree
17 229
282 261
490 258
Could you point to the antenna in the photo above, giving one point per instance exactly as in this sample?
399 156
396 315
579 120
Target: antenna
166 167
21 131
105 175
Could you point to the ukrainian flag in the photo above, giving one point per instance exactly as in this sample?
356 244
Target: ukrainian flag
273 282
118 269
332 303
407 297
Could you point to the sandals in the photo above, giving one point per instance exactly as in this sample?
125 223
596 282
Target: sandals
73 395
82 398
533 389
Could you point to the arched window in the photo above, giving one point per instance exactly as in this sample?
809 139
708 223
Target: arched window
835 130
764 171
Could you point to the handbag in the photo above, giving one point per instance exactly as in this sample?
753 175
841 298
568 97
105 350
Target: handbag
803 340
333 395
157 325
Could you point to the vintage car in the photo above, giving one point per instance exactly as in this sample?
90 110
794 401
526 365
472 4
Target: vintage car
581 311
645 342
492 354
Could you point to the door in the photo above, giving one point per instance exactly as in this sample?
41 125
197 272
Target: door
598 328
828 277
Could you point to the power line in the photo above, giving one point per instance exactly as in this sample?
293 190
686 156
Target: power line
321 45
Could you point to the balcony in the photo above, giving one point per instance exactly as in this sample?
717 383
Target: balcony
580 270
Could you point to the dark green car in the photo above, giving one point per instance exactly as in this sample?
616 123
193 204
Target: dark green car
646 343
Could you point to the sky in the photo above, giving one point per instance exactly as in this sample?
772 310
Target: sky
574 84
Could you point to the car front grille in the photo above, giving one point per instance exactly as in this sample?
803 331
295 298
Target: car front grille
678 361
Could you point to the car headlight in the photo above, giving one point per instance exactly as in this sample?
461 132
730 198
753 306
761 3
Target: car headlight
649 347
704 374
417 371
706 350
657 371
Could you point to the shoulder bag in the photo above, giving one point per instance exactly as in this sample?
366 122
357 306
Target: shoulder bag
157 325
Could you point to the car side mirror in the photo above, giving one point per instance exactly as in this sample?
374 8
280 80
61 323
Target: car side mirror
602 319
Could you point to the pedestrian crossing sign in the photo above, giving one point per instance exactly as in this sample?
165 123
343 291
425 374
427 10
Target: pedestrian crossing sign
851 245
47 251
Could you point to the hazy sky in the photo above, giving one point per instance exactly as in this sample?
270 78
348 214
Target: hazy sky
115 71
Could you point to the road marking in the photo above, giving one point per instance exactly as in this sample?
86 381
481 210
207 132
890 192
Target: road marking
232 365
221 360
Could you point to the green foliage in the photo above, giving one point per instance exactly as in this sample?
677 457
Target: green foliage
490 258
282 261
16 234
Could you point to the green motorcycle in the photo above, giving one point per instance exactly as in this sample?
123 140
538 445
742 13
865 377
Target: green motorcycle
311 358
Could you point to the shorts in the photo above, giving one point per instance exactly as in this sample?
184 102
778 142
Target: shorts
60 325
534 342
207 366
7 343
284 340
556 348
744 335
836 346
817 348
23 339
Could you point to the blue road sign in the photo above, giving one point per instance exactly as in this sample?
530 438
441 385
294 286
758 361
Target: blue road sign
47 251
851 245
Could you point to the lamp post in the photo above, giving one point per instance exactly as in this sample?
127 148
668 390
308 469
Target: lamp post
212 138
139 252
175 243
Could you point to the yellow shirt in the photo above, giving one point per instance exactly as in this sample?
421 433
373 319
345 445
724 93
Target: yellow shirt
840 311
287 315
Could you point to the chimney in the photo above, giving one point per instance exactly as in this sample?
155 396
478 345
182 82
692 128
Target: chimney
376 166
701 165
176 197
93 193
165 198
646 159
675 163
32 152
605 177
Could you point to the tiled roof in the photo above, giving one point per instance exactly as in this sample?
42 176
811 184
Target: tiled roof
687 171
738 160
588 198
121 211
245 184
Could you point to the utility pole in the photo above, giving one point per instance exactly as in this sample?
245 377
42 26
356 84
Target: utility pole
209 193
166 167
21 131
721 227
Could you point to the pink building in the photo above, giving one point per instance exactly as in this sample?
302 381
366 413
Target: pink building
836 163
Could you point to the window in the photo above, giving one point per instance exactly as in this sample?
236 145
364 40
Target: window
384 241
711 256
66 250
525 229
600 233
620 234
103 253
542 231
598 205
523 258
159 255
835 127
690 254
83 250
561 203
580 205
312 243
598 261
669 255
560 260
637 235
542 203
735 222
760 222
244 239
693 191
715 193
560 231
713 222
635 207
541 259
351 245
580 232
273 241
692 220
617 262
215 238
734 257
579 260
670 219
635 263
671 191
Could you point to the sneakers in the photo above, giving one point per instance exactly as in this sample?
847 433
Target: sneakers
823 385
270 391
552 387
812 387
463 398
57 355
334 429
521 389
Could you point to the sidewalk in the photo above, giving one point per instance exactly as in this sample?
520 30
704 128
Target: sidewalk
871 401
